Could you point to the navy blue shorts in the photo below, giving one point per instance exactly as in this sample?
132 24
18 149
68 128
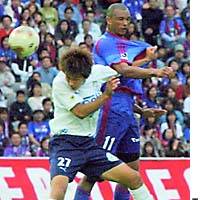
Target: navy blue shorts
118 130
70 154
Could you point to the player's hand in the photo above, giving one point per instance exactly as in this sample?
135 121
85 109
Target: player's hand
153 112
151 53
111 85
165 72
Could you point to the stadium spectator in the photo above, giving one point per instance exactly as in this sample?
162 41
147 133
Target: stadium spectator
6 54
172 29
42 52
3 100
185 15
86 24
90 5
148 150
167 136
76 14
6 28
170 93
47 71
175 149
23 131
25 16
49 43
186 130
47 109
44 147
1 9
33 8
20 110
151 19
14 10
22 69
151 100
49 14
62 30
186 105
35 99
150 134
72 24
152 122
36 77
15 148
173 124
37 20
88 39
28 2
3 139
68 42
184 72
7 81
169 105
135 8
132 29
94 27
42 30
38 128
178 55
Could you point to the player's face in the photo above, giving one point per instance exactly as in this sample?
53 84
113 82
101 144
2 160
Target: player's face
119 22
75 82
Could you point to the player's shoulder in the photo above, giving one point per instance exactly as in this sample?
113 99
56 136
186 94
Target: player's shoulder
59 79
101 72
105 38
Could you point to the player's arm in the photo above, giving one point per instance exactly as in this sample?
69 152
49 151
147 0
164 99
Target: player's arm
133 71
150 55
83 110
137 72
149 112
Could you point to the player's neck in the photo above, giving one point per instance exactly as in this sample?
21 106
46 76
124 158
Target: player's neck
117 36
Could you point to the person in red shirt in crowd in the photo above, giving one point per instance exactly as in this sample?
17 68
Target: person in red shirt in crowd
6 28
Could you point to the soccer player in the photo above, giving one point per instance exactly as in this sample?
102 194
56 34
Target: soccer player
118 130
77 98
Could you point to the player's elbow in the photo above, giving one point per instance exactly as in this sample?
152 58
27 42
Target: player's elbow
79 113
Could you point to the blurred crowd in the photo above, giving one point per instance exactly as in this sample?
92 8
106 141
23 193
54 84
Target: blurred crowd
25 84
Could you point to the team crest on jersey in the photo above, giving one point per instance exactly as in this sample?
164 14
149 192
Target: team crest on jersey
124 56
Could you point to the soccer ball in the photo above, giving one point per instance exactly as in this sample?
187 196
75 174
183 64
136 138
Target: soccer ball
24 40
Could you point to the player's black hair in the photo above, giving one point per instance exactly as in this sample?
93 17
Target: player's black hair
115 6
76 62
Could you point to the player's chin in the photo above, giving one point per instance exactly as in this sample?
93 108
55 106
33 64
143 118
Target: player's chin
123 32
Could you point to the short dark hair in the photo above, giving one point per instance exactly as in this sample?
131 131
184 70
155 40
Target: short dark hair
45 100
6 16
20 92
115 6
77 62
68 8
21 123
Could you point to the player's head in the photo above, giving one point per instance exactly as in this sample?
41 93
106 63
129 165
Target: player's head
118 18
76 64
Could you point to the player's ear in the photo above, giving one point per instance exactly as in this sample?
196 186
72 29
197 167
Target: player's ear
108 20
